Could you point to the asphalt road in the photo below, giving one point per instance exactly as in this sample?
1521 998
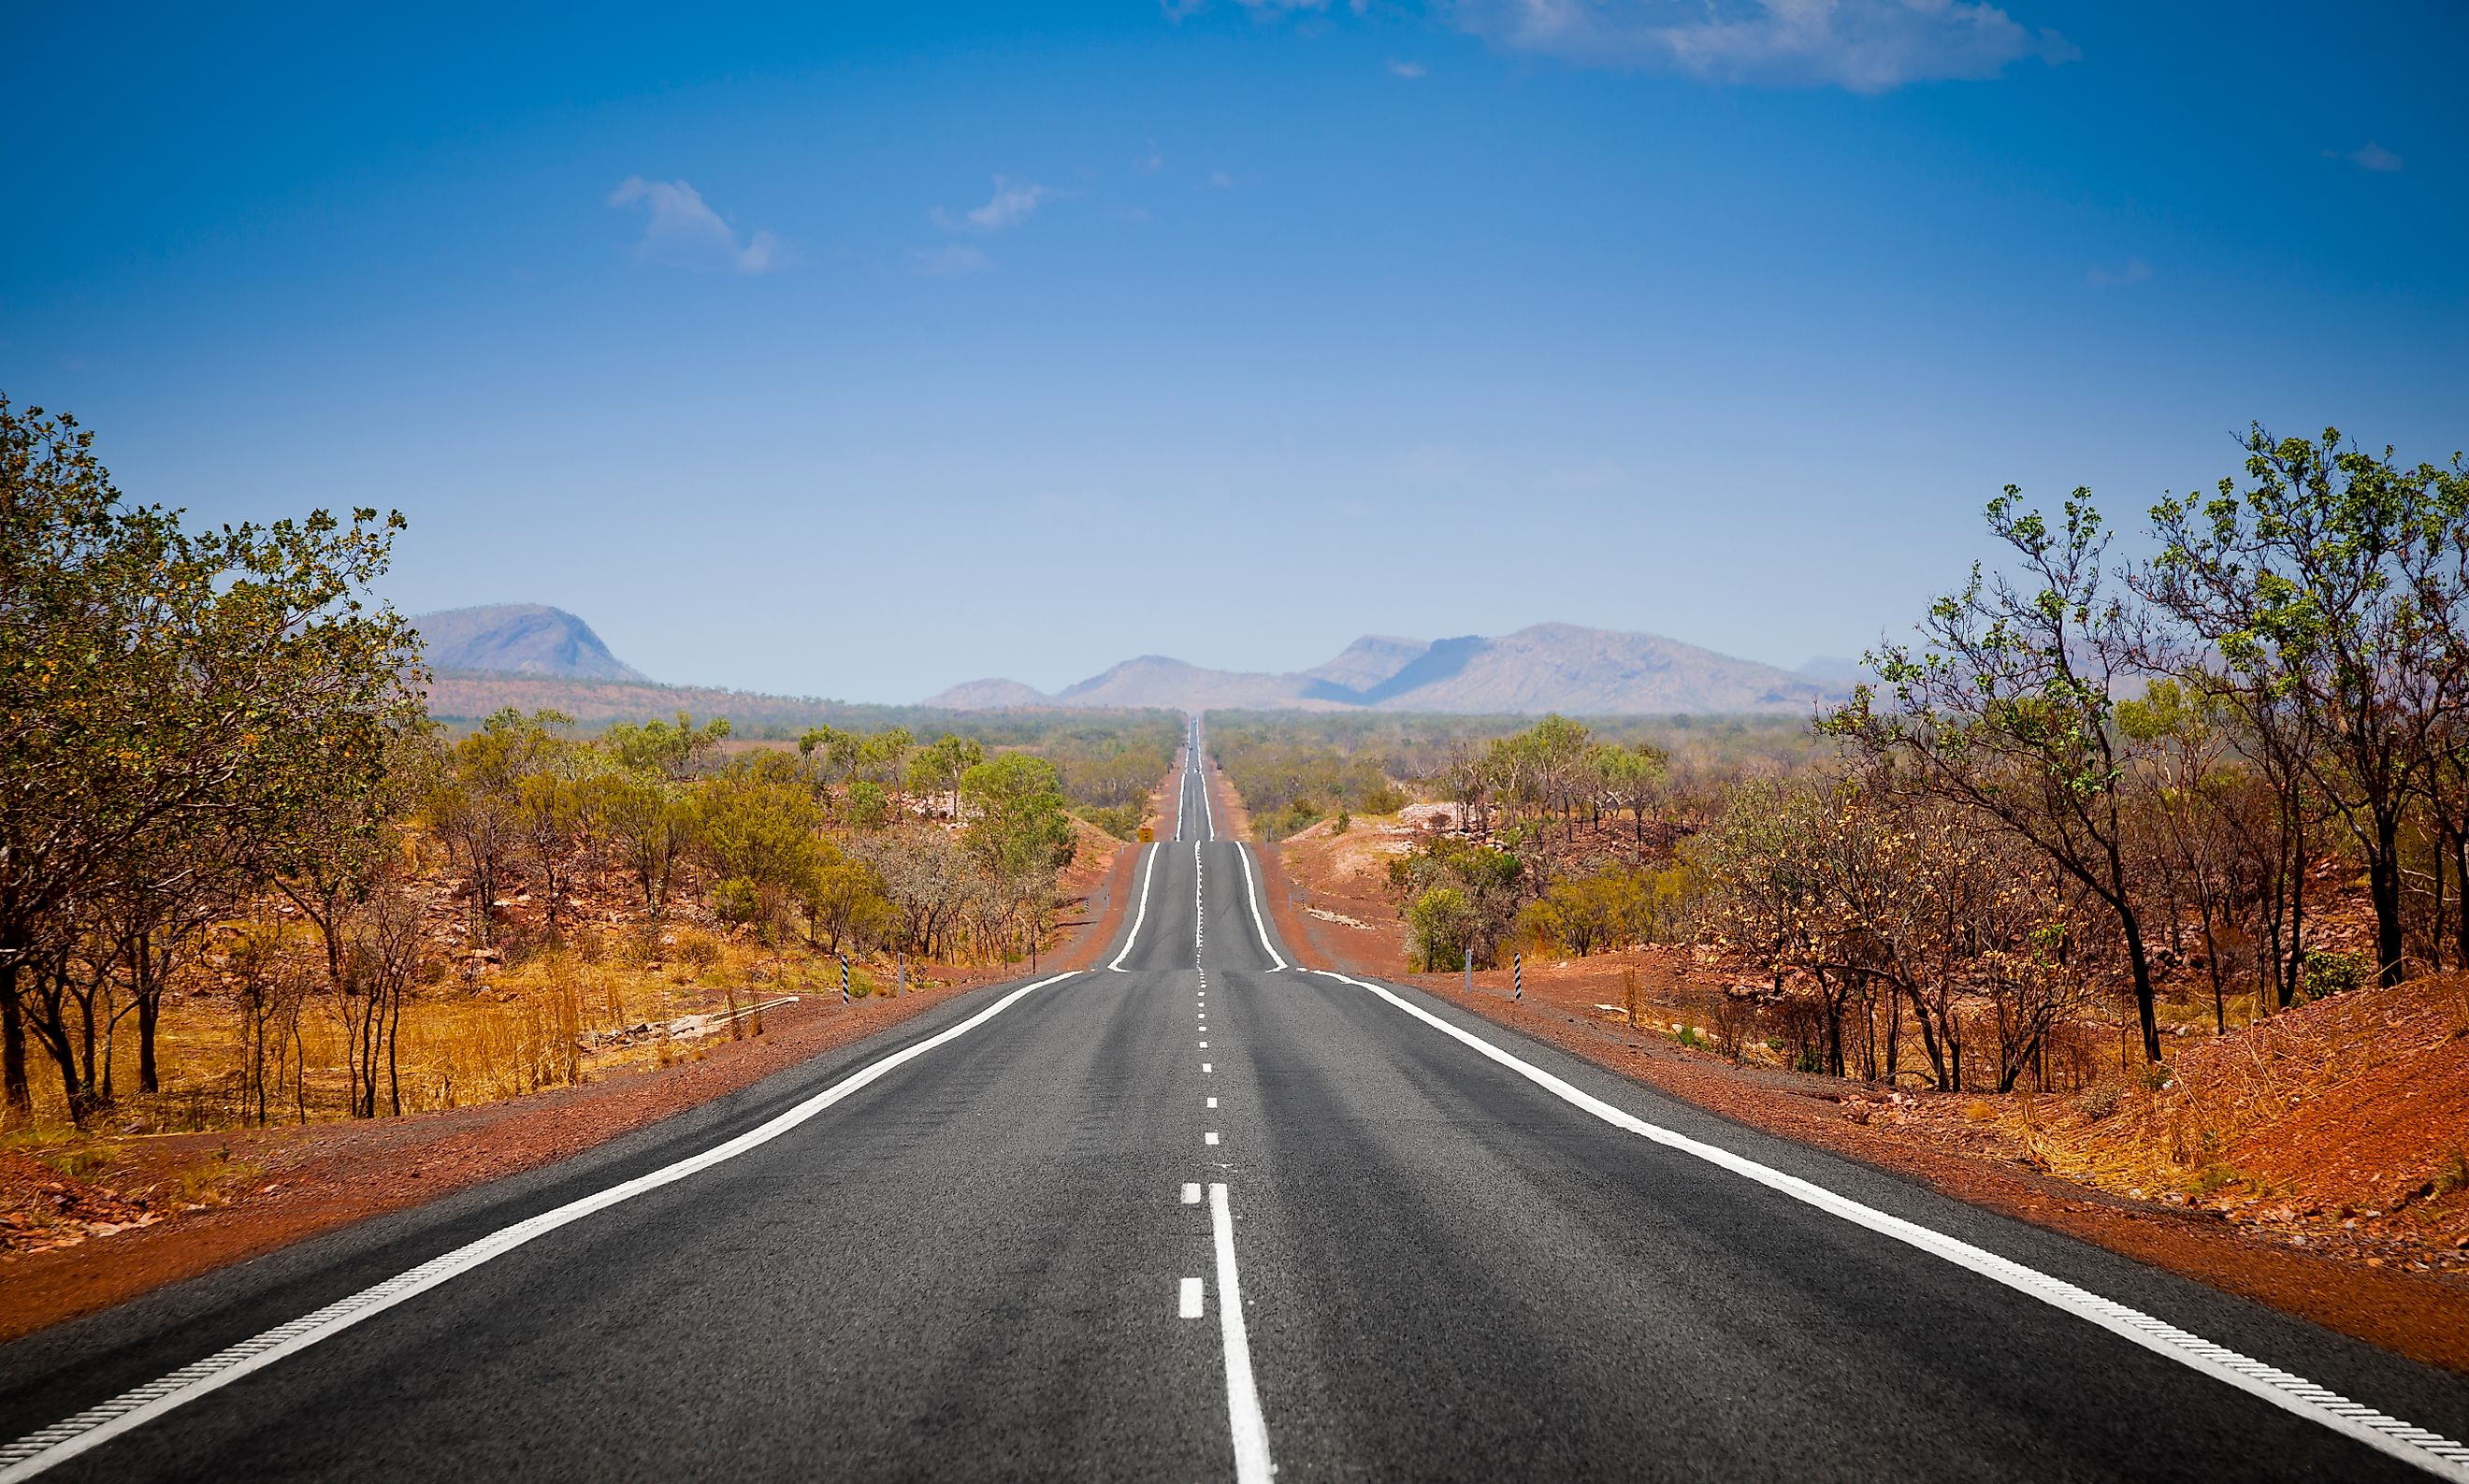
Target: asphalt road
1003 1257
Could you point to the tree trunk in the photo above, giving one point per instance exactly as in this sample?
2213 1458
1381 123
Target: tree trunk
2434 937
2212 965
2140 963
16 1094
149 990
2382 883
2460 876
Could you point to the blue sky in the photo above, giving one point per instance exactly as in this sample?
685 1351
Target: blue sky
857 350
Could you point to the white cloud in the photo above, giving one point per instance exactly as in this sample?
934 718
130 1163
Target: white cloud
2369 156
2136 271
1136 214
1219 180
1409 69
1867 46
683 233
1152 160
949 261
1013 202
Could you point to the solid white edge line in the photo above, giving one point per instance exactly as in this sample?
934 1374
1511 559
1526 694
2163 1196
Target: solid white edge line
1253 887
1242 1399
1189 1304
1207 810
1181 793
1147 871
66 1439
2386 1434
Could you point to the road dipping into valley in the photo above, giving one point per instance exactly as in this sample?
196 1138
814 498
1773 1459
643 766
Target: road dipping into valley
989 1242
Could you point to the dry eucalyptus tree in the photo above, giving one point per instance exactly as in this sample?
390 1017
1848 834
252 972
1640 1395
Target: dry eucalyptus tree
159 686
2329 591
2006 710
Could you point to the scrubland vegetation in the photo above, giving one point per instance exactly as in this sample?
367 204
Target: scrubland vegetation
244 878
2090 796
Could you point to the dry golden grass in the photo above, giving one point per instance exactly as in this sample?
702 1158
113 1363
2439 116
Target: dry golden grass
547 1020
2218 1114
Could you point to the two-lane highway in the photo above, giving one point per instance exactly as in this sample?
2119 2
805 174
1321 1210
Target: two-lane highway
1002 1240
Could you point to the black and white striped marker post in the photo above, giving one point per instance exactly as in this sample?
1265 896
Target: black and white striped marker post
844 993
1517 977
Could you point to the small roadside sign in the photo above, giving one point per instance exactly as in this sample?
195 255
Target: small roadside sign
1148 836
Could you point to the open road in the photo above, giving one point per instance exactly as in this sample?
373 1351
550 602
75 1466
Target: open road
1200 1213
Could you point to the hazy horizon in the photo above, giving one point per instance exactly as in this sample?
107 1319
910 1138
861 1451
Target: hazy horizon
865 353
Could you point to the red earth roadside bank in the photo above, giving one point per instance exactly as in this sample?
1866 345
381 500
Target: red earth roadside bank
1338 919
270 1187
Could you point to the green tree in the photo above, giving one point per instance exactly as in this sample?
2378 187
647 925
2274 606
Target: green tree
847 901
2332 587
154 679
477 806
1021 829
1633 777
1488 886
835 750
675 751
1444 928
755 821
938 767
651 822
2006 711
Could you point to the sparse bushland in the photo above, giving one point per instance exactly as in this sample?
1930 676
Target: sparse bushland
1292 785
245 880
2229 776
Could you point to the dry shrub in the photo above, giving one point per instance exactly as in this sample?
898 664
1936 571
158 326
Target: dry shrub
1734 1019
2073 1060
2455 997
699 953
640 948
215 1183
2099 1100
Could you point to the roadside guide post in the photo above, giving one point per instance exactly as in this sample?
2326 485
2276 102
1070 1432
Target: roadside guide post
844 993
1517 977
1469 971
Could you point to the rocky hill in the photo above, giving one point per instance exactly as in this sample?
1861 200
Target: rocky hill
1155 680
520 639
1549 666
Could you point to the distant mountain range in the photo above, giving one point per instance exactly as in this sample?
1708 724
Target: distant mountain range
520 639
1549 666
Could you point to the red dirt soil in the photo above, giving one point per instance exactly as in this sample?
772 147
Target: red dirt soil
2406 1112
277 1185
